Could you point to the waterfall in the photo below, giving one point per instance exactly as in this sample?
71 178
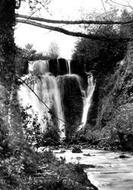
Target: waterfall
87 101
59 94
69 67
72 101
40 67
45 101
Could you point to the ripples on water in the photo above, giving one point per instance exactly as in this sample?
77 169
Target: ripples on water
109 171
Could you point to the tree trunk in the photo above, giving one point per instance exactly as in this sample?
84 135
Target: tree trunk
9 109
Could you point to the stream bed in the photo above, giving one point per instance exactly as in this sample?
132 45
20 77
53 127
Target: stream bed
105 169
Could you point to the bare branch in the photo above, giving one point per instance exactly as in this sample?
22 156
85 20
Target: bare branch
49 109
71 33
124 5
104 7
75 21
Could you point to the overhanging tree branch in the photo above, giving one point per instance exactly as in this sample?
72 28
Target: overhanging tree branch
124 5
71 33
75 21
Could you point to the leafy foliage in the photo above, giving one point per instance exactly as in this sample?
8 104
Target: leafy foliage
31 54
36 4
33 134
27 169
100 56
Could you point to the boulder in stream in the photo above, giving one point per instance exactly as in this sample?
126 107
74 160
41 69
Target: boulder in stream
76 149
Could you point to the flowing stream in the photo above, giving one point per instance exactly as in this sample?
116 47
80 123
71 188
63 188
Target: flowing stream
105 169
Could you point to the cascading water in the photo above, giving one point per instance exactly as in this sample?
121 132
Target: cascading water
69 67
45 97
57 95
72 101
87 101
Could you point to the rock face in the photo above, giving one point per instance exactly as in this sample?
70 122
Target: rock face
58 66
115 104
71 97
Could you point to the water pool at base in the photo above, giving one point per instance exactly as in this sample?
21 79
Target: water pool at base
105 169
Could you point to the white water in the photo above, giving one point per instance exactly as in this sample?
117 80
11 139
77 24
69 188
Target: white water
69 67
45 87
87 102
39 67
110 172
46 97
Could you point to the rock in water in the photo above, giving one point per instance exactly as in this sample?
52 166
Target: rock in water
76 149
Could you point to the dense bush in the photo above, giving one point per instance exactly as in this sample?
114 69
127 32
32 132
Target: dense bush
33 134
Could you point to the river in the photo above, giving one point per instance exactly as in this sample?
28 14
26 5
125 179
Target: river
105 169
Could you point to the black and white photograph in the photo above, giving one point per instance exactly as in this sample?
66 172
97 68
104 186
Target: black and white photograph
66 94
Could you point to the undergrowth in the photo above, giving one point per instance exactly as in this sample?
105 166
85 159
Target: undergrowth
24 168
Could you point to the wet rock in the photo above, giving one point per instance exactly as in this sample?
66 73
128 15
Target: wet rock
123 156
88 154
85 166
62 151
76 149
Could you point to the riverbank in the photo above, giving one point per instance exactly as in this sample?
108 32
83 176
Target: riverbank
96 140
26 169
108 170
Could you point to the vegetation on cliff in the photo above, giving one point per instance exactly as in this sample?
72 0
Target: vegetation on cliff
110 120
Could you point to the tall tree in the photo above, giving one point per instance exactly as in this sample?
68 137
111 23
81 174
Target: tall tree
9 110
53 51
100 56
